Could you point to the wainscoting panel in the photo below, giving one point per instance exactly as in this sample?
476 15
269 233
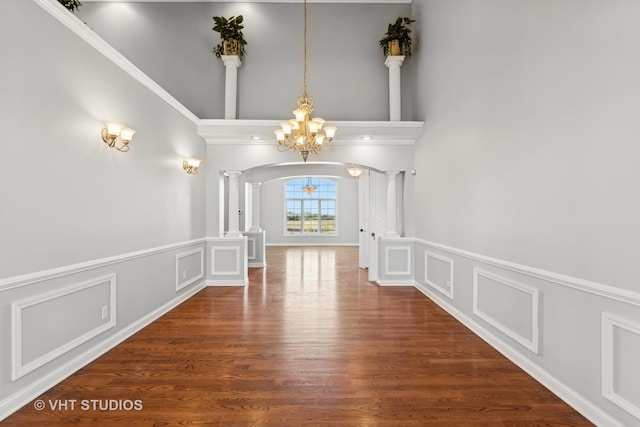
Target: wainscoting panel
256 248
229 263
620 363
48 325
189 267
225 261
56 321
251 248
438 273
550 325
509 306
395 261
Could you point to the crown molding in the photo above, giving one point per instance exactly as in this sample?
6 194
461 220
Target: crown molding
256 132
84 32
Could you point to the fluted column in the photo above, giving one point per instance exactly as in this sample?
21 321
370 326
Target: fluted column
231 63
395 89
392 208
234 205
255 206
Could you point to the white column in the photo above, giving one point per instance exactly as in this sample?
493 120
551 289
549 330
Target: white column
392 200
231 63
255 206
395 105
234 206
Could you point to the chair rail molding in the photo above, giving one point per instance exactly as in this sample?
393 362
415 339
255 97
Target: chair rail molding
607 291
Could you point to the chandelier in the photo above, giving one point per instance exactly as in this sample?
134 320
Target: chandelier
308 187
303 133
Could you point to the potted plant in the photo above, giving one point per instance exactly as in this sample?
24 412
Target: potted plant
397 39
71 5
230 30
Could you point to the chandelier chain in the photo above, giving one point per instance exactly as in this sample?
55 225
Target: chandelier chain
305 48
303 133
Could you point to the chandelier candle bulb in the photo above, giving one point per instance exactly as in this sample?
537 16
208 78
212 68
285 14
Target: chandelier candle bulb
301 115
313 128
286 128
330 131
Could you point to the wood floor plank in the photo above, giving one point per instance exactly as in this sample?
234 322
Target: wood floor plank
309 342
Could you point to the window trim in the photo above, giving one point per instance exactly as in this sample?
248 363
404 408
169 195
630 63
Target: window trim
288 233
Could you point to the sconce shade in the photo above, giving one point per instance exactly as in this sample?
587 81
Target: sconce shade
191 166
354 171
113 131
126 134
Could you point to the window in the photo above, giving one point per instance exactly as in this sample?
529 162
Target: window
310 213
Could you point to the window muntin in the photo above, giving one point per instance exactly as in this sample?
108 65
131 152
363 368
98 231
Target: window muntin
311 213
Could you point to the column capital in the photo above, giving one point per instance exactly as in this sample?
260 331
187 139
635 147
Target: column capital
233 173
232 60
255 184
391 174
394 61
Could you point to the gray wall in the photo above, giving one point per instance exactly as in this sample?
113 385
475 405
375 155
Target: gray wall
531 147
526 187
83 226
272 214
245 157
172 43
526 171
66 196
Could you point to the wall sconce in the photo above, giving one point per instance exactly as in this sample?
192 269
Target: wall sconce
191 166
354 171
115 131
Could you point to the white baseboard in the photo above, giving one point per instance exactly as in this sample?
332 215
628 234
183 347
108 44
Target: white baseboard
294 244
257 264
393 282
567 394
230 282
14 402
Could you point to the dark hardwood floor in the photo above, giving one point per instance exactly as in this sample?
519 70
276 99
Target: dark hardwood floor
308 342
